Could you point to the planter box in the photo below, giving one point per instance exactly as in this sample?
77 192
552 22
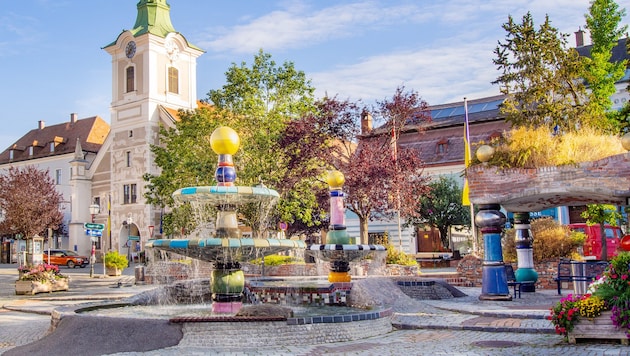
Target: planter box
34 287
113 271
597 328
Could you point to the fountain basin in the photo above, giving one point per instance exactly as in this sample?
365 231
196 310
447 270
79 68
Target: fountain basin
225 194
231 249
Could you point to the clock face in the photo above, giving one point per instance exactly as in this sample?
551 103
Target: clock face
130 50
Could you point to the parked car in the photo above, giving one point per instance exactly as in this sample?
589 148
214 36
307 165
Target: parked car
66 258
593 244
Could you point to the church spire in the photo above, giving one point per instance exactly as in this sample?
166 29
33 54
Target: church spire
154 16
78 151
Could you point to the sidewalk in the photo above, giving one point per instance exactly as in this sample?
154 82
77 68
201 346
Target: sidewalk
457 323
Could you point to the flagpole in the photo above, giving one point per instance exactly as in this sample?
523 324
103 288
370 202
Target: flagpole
395 154
467 159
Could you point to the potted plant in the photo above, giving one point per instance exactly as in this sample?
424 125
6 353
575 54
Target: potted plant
40 278
603 312
115 263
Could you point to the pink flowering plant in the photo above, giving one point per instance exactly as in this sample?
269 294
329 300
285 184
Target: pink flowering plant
564 314
610 292
615 290
41 273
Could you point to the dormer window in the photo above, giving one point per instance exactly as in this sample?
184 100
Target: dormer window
52 147
130 79
11 154
30 150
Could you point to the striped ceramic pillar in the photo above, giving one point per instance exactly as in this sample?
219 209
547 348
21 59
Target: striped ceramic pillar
524 252
494 279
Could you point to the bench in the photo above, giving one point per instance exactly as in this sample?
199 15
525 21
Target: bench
578 271
512 282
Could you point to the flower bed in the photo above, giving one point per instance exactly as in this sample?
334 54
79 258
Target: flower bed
603 312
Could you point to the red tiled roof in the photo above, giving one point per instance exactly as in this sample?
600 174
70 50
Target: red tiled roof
91 131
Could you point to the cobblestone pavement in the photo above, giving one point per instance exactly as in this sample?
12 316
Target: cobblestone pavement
460 326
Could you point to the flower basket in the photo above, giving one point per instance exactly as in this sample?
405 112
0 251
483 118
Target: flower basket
40 279
600 327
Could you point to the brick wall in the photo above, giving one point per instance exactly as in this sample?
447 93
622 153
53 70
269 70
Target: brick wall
606 181
469 270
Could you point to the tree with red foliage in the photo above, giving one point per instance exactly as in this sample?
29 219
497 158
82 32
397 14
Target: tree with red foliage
383 178
30 202
311 144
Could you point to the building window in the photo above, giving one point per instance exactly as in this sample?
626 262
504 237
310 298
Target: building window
11 154
131 78
52 147
441 147
30 150
58 176
173 80
130 133
128 158
129 194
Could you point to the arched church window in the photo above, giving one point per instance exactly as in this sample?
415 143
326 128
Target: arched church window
131 78
173 80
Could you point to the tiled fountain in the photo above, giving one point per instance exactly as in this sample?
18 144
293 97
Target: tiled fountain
226 249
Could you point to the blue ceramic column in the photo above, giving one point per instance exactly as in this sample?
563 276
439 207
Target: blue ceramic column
524 252
494 279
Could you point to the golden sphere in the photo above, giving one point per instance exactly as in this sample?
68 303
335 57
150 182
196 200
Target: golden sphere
224 140
335 179
484 153
625 141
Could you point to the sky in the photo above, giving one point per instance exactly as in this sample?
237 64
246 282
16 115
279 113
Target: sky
52 63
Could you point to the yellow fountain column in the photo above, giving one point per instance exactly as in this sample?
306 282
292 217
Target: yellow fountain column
337 233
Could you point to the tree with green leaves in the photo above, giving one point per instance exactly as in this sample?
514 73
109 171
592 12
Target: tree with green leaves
602 214
601 75
185 159
29 201
441 208
266 97
541 77
258 102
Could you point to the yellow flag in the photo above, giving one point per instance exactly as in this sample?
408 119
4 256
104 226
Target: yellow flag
467 157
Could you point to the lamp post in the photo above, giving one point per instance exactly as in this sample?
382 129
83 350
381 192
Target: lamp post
94 209
129 222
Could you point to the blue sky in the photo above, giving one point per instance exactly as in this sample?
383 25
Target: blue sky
53 65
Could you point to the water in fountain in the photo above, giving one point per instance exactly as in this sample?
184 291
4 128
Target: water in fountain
222 244
225 247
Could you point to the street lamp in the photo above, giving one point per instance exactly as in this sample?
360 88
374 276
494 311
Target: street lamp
94 209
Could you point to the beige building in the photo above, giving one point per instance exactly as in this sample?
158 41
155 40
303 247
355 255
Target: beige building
153 76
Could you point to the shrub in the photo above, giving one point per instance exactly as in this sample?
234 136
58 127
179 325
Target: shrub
397 257
552 240
113 259
537 147
276 260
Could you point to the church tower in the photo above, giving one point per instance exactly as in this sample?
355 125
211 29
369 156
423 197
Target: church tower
153 76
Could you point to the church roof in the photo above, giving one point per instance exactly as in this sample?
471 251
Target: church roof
90 133
154 17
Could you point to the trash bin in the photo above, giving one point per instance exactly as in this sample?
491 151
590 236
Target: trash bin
139 270
580 283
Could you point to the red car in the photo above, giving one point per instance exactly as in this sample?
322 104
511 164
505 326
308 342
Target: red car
66 258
